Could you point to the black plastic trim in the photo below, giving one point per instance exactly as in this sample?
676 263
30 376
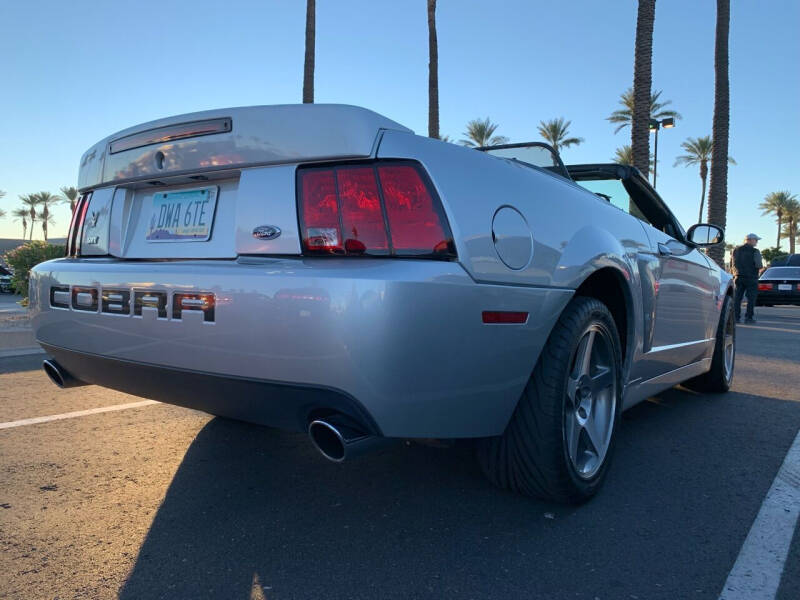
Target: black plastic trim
289 406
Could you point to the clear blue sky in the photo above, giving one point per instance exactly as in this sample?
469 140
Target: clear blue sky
74 72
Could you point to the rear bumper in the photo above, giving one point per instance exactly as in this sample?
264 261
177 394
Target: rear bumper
778 298
400 343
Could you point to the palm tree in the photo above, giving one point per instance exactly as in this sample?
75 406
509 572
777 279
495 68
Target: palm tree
31 202
775 203
642 85
308 68
792 215
555 131
45 200
46 218
624 156
433 73
718 187
624 115
21 214
698 152
793 235
2 213
479 133
70 194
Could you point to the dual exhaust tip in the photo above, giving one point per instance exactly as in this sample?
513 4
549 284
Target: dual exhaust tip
336 437
59 375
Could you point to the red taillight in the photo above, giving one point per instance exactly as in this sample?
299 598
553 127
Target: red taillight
798 287
413 219
76 225
362 215
764 287
320 210
380 210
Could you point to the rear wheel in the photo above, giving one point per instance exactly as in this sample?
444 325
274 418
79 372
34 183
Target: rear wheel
720 376
559 441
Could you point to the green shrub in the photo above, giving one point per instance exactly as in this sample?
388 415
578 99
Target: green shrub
770 254
23 258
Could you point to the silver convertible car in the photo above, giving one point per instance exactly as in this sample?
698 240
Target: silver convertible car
320 268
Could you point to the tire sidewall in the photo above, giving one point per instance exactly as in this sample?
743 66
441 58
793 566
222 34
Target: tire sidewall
718 362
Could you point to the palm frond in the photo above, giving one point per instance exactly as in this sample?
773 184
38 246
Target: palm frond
479 133
624 115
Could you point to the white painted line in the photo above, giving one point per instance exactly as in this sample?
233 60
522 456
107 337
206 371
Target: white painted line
77 413
756 574
747 326
21 351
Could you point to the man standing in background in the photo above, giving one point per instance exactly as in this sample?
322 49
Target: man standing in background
747 264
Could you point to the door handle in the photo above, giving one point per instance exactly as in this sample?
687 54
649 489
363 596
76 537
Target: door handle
663 250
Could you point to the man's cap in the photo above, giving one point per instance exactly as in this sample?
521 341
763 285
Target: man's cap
752 236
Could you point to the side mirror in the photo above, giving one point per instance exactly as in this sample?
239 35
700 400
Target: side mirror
705 234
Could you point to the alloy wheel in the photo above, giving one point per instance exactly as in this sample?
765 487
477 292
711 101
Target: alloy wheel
590 407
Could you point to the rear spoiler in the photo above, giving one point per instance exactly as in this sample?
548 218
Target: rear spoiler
233 138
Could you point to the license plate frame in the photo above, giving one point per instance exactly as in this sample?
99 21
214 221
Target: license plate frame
182 215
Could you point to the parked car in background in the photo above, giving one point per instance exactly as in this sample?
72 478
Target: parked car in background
323 269
5 281
779 285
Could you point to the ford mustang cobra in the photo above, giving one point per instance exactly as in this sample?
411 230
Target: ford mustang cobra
321 268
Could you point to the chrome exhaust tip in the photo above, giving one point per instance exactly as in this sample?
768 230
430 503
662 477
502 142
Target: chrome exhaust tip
338 438
59 376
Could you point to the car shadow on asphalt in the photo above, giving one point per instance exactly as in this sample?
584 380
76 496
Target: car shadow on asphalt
254 512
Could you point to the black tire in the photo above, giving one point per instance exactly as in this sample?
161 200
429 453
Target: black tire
531 457
718 379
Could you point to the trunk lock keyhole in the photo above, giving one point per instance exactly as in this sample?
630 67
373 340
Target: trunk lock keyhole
159 160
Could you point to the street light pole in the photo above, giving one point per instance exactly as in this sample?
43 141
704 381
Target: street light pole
655 125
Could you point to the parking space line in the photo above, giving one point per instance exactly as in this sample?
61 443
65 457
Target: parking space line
785 330
77 413
756 575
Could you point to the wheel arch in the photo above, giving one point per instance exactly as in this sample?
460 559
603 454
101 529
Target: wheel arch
610 286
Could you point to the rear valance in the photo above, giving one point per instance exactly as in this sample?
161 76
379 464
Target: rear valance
233 138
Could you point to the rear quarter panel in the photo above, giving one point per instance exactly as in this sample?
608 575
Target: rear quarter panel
573 231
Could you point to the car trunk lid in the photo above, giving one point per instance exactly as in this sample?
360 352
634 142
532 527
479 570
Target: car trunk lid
214 184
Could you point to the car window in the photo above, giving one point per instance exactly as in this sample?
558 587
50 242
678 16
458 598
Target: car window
613 191
782 273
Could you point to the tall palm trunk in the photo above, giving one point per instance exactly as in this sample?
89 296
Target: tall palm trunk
703 176
45 217
791 234
779 214
718 188
642 84
308 70
33 219
433 73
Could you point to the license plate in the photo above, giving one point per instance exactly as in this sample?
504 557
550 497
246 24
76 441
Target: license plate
784 287
184 216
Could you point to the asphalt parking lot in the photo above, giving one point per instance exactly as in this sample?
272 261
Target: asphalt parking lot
157 501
